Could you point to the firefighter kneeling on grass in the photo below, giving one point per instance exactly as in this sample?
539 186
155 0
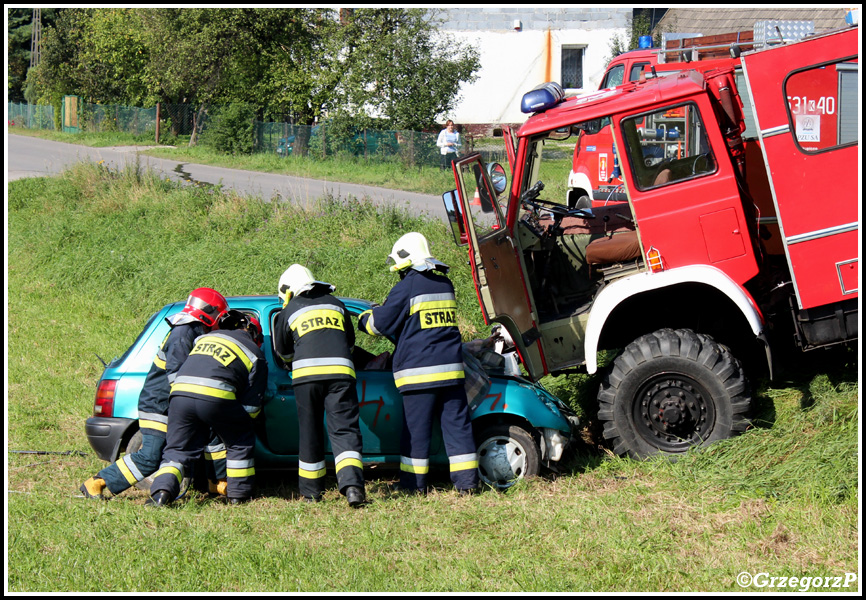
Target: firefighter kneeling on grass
203 310
219 387
420 316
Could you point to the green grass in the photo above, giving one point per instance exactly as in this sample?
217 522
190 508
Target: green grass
93 253
95 139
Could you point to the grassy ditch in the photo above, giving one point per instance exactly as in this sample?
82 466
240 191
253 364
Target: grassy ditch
93 253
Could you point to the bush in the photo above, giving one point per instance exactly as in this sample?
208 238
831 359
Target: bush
232 129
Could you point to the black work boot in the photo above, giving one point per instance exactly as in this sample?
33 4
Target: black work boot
356 496
240 500
159 499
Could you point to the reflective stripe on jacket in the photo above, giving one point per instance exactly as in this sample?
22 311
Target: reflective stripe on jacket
224 365
314 333
420 315
172 353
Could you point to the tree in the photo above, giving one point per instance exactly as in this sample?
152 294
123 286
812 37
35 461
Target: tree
115 49
19 29
365 64
638 26
58 72
402 68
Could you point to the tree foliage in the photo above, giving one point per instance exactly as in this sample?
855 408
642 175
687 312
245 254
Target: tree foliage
402 68
19 29
391 66
638 26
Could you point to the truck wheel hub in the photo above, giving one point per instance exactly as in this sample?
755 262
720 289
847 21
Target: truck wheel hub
672 411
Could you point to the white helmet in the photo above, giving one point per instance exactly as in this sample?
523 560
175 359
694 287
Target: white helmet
412 250
296 280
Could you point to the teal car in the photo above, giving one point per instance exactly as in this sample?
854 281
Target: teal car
519 427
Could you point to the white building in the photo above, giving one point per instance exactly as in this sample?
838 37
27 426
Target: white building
522 47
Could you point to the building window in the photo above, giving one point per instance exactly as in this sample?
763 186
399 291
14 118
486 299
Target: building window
572 67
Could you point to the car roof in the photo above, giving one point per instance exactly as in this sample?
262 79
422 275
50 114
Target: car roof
264 302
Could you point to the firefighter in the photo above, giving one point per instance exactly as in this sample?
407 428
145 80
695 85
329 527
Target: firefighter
215 451
204 307
313 333
220 387
420 316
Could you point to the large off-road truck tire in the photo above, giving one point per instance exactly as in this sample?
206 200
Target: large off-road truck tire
671 390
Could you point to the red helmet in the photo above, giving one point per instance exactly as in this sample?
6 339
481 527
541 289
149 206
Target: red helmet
255 329
206 305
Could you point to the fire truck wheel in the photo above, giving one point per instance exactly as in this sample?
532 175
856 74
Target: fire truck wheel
506 454
671 390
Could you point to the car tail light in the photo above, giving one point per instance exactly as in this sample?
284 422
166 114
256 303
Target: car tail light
654 260
104 405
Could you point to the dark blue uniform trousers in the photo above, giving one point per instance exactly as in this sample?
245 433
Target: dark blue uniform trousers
189 431
419 411
339 399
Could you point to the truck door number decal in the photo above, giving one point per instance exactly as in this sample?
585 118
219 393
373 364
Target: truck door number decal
802 105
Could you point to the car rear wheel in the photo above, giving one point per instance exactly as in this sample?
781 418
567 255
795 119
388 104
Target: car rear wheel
506 454
672 390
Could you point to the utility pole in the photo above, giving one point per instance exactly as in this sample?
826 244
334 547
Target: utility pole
36 38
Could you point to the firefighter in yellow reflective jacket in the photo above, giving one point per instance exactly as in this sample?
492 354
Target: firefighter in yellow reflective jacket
221 387
420 316
202 312
314 334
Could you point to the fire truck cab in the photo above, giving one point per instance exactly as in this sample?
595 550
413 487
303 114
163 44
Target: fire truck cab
676 277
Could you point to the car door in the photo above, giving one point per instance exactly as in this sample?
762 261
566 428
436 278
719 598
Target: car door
280 413
380 404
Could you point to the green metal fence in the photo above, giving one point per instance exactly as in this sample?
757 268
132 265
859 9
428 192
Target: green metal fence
411 148
114 117
31 116
285 139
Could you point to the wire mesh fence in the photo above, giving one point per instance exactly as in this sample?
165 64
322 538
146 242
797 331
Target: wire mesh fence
31 116
114 117
411 148
285 139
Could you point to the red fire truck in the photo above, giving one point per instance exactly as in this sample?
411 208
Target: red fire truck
596 179
677 279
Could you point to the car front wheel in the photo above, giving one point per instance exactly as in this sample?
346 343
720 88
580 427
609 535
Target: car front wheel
506 454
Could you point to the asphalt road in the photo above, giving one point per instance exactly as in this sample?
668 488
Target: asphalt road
33 157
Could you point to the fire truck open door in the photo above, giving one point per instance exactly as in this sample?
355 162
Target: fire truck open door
478 219
809 134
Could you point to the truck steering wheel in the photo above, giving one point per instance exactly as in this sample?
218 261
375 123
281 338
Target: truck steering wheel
558 209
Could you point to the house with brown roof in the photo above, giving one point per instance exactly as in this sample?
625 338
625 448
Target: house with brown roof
714 20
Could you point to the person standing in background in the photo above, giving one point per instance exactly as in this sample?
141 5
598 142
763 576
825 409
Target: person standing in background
449 143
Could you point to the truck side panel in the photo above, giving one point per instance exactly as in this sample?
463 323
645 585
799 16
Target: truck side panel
811 153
